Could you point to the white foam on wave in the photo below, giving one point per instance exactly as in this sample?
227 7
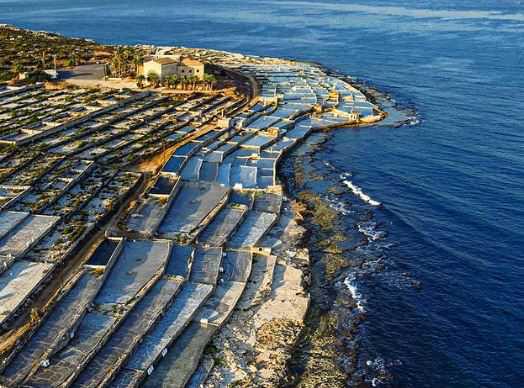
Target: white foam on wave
349 282
358 192
377 371
369 229
338 206
413 120
329 165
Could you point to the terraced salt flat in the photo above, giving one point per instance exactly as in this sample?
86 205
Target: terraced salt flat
8 220
177 367
194 202
219 230
137 265
25 234
180 261
65 365
17 284
145 307
55 330
147 218
206 265
252 229
123 341
237 266
154 346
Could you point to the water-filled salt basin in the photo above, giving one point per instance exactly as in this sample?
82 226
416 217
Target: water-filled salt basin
18 283
194 202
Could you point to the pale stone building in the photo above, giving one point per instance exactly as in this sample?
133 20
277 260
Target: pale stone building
166 66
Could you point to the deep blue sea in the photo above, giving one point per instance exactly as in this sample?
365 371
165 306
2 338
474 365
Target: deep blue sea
452 186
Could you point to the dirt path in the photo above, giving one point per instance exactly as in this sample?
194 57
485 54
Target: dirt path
157 161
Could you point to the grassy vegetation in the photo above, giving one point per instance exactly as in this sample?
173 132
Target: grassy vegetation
24 50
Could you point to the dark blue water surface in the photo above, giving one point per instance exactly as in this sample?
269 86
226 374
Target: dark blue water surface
452 187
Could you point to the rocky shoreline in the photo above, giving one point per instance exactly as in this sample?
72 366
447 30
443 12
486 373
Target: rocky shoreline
254 347
327 350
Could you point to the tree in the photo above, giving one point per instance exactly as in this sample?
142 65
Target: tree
116 63
126 62
210 80
4 76
194 82
140 80
183 82
72 60
171 81
153 78
38 76
17 69
138 60
42 64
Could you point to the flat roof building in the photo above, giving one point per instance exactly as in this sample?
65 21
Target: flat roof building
166 66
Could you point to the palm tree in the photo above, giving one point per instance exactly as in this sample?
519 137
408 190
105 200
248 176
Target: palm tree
138 60
72 60
140 80
42 64
17 69
183 82
115 64
211 80
188 82
153 78
171 80
118 62
127 59
194 81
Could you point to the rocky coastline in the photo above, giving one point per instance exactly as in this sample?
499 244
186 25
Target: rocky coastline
267 351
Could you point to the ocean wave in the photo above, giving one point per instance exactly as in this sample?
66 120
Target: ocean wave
413 120
349 282
369 229
329 165
359 193
338 206
378 373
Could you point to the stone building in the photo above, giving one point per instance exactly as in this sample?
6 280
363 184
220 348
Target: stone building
181 67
